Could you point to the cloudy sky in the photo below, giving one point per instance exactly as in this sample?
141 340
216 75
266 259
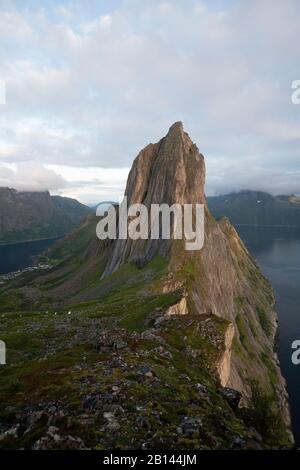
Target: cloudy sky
90 83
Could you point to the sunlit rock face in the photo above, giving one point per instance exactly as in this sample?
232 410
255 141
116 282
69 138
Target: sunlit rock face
170 171
221 279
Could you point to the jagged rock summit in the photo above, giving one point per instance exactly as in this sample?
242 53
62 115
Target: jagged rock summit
169 171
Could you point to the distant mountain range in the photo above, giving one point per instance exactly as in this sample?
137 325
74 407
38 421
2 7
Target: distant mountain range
257 208
35 215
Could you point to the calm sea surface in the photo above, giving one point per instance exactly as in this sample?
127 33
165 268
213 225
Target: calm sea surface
19 256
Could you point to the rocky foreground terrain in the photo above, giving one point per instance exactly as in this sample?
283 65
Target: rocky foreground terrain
141 344
35 215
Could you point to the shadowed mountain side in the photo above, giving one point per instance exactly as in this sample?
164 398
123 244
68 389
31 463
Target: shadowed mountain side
257 208
35 215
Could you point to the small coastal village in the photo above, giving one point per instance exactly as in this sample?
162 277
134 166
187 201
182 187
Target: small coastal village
13 275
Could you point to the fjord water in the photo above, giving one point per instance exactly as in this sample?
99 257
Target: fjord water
277 251
19 256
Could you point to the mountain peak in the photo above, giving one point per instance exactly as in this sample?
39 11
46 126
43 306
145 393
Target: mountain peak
177 126
176 133
171 171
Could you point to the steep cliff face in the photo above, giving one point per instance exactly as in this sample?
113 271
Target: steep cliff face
170 171
221 279
224 364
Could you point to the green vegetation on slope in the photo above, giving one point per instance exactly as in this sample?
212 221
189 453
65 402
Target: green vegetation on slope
97 363
108 376
37 215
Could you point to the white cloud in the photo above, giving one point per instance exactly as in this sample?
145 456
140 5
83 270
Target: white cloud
284 131
31 176
89 86
92 184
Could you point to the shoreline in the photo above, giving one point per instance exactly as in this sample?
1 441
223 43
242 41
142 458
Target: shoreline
267 226
59 237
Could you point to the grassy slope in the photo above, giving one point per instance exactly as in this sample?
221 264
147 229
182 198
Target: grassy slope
56 359
66 214
69 370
